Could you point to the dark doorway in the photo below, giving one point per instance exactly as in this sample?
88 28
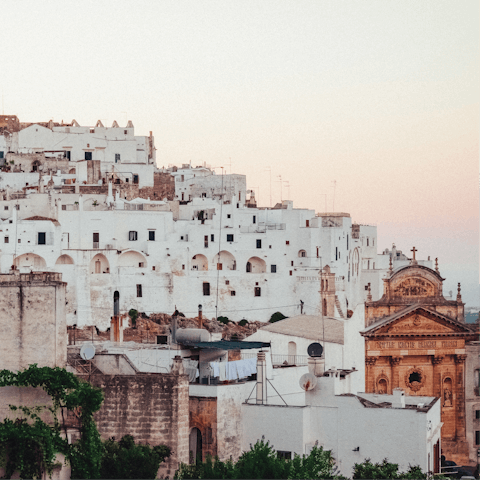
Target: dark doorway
195 445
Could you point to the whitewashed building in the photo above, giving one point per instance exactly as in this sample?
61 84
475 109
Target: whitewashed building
80 200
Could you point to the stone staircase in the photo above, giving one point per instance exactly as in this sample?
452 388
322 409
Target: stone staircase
339 308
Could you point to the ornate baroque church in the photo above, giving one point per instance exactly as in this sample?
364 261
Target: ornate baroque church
415 340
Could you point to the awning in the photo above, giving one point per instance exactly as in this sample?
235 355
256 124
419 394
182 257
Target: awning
227 345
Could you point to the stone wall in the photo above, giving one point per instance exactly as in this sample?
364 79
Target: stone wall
33 325
151 407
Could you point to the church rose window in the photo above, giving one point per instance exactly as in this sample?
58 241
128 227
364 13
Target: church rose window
415 379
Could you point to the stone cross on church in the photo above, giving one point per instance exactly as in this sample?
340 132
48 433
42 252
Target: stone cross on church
414 262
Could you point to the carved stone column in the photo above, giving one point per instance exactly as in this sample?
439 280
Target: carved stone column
370 374
460 395
395 363
437 375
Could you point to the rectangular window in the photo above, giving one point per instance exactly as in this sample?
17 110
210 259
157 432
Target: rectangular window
1 154
139 290
273 269
206 289
68 155
259 243
232 293
291 273
88 155
5 207
477 414
6 239
318 251
132 236
219 266
19 240
153 268
229 216
291 263
212 237
135 179
117 157
477 437
254 219
229 237
227 282
151 235
336 253
347 241
307 223
258 292
284 455
141 265
287 242
205 241
41 238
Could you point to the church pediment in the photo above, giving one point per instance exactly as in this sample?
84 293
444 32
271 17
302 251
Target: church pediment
417 321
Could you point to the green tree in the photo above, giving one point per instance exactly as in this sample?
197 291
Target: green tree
29 444
124 459
133 314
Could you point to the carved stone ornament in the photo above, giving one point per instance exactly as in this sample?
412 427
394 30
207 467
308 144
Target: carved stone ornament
414 287
460 358
416 320
381 384
414 384
395 361
371 361
437 359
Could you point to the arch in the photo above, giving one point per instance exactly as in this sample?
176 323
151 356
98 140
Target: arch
382 385
302 253
64 260
199 262
132 258
116 302
30 260
195 445
225 261
72 171
99 264
447 393
257 265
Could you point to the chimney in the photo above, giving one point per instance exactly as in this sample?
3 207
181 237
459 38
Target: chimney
200 316
261 378
398 400
316 365
174 329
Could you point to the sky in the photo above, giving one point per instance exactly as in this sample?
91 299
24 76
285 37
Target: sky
370 107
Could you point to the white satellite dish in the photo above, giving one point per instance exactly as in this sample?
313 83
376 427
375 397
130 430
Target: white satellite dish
308 381
87 352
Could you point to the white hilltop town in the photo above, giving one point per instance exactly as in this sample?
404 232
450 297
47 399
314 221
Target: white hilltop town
90 203
92 229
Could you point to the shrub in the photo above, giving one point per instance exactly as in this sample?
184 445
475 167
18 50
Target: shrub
223 320
276 317
124 459
243 322
133 314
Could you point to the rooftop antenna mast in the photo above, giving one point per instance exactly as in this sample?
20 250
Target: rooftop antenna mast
219 247
281 191
334 187
269 169
287 184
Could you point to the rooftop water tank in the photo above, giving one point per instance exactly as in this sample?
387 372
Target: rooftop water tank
192 335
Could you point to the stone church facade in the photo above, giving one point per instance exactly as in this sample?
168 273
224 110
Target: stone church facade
415 340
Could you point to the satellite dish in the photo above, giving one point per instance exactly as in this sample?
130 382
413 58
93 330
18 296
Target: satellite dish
87 352
308 381
315 350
